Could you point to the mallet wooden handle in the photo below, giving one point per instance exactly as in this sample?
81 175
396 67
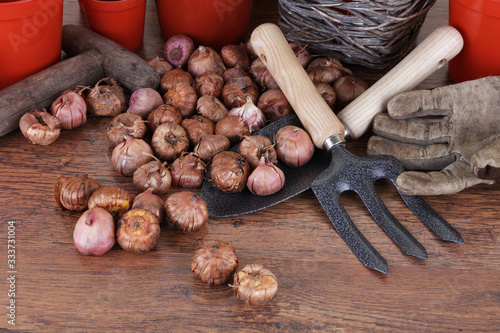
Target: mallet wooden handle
272 47
127 68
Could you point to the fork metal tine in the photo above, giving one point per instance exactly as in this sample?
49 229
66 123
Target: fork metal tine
348 231
348 171
431 219
381 214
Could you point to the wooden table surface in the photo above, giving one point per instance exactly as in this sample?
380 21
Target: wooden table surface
322 285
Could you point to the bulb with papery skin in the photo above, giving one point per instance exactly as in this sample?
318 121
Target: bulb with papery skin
265 179
138 231
214 262
253 147
130 154
143 101
294 146
186 210
255 285
178 49
70 108
40 127
94 232
251 114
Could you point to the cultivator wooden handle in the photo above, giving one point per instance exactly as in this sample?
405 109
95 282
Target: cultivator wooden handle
93 57
435 51
270 44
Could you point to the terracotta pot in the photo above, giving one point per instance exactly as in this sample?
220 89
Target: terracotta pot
30 37
121 21
214 23
479 23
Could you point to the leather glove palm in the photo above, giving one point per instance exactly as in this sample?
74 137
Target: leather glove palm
451 131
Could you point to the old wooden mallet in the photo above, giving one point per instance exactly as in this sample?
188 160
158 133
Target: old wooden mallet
92 57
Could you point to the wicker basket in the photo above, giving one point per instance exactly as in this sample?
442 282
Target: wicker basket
374 34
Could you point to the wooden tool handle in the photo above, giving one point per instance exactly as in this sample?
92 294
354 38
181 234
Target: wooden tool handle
127 68
431 54
318 119
272 47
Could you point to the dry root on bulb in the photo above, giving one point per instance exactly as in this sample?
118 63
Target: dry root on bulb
126 124
186 211
255 285
178 49
137 231
214 262
169 141
40 127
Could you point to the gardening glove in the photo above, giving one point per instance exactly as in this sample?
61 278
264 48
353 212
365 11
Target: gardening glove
452 131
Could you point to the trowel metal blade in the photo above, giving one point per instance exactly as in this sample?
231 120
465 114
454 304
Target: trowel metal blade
297 180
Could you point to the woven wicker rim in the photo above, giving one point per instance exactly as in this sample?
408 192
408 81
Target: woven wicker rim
374 34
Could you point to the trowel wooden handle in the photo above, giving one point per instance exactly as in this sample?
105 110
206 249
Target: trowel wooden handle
318 119
431 54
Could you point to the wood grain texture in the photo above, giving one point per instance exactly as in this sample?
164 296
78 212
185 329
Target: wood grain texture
322 285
